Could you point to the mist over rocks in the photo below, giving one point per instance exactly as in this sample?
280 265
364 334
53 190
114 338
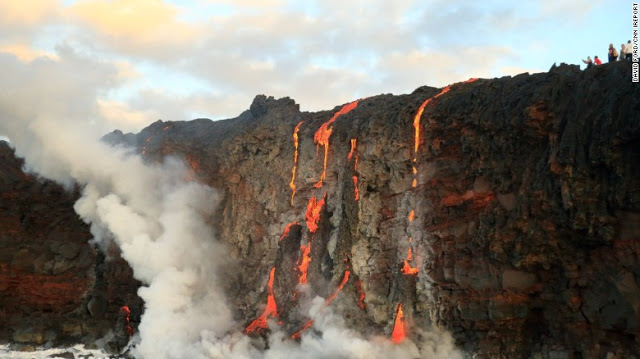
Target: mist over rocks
523 225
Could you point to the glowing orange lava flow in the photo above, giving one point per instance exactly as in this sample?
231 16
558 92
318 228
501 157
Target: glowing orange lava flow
305 260
338 289
327 302
312 216
269 312
285 234
127 312
294 170
321 137
355 167
399 332
408 269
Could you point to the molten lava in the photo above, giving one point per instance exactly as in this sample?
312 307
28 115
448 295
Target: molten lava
399 331
408 269
305 260
269 312
412 215
294 170
306 326
287 229
353 148
338 289
355 167
327 302
312 216
321 137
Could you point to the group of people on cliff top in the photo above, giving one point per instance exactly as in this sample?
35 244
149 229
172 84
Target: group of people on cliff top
625 54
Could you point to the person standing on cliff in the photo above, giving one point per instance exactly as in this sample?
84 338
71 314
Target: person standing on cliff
613 54
588 62
597 61
628 51
623 52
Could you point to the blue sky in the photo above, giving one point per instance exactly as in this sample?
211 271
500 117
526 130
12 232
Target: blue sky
176 60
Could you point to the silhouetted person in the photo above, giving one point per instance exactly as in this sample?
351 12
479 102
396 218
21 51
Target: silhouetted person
588 62
623 52
597 61
613 54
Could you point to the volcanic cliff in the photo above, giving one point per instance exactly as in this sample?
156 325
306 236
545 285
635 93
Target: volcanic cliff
506 211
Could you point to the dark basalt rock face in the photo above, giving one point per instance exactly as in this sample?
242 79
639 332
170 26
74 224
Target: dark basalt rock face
524 224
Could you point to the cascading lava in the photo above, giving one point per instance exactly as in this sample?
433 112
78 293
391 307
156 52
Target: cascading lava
353 154
321 137
127 312
294 170
271 311
399 332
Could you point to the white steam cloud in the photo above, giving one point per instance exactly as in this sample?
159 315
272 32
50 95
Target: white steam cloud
160 220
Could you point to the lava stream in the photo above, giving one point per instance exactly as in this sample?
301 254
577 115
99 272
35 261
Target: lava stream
294 170
305 260
312 216
399 331
321 137
355 168
269 312
287 229
327 302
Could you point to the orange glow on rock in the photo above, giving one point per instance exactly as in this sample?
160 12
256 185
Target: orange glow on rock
412 215
321 137
414 183
270 311
294 170
305 259
399 330
312 216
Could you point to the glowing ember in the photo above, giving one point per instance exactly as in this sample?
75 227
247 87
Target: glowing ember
285 234
305 259
321 137
312 216
294 170
270 311
361 295
412 215
399 332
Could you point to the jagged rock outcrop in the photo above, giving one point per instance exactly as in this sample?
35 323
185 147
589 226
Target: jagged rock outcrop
55 288
513 222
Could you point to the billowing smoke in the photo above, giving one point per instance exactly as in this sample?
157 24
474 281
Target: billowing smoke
160 220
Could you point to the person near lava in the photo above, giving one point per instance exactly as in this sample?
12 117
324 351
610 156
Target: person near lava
588 62
628 51
613 54
597 61
623 52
